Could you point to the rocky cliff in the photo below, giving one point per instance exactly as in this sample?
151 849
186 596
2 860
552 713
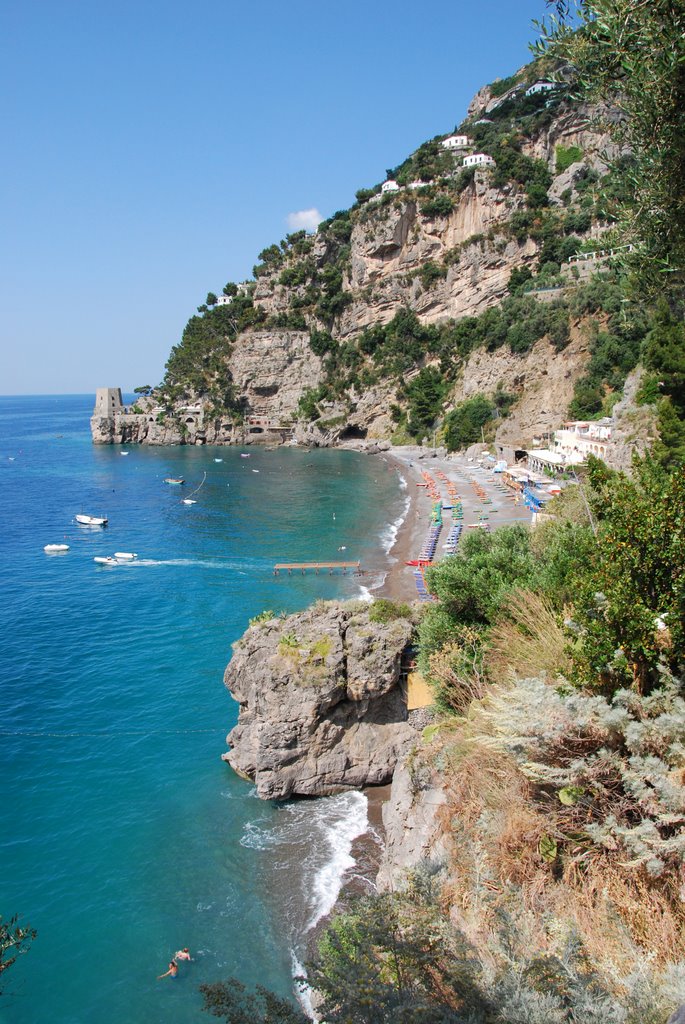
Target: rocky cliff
299 353
322 707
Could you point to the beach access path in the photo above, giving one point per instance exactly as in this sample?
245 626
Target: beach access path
411 462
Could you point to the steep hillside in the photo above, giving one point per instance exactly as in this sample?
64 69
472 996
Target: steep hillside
447 283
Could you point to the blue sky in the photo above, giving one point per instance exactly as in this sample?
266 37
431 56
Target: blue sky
152 150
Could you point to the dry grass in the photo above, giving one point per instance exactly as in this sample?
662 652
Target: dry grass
495 823
527 641
456 672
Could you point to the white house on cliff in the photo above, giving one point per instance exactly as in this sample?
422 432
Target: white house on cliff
478 160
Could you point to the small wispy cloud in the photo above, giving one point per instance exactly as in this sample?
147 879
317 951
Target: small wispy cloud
307 219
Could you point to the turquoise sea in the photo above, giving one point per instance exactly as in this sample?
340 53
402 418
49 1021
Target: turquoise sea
123 836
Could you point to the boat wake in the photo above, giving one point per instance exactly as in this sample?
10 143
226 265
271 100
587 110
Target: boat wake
206 563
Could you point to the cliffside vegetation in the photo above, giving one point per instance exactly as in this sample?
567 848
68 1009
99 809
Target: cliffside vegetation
555 208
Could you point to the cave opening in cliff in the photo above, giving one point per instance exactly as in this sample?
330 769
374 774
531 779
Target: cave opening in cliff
352 432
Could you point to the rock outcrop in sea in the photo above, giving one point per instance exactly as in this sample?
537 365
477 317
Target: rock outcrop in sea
322 704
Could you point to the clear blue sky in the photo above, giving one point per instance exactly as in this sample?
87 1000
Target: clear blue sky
151 150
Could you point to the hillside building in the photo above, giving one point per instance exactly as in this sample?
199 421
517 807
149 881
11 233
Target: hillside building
581 438
389 186
537 87
456 142
478 160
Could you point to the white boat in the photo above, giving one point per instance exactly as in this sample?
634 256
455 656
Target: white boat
244 455
108 560
218 460
123 453
53 548
189 501
125 556
91 520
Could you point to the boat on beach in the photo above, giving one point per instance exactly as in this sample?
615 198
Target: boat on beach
85 520
52 549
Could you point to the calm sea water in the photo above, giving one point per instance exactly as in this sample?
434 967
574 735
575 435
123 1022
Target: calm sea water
123 836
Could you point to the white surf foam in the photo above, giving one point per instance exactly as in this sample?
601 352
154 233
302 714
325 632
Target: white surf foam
339 836
389 534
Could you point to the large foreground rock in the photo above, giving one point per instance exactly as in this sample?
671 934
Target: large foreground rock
321 706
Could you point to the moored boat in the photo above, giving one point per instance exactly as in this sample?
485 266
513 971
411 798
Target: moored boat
174 480
91 520
54 548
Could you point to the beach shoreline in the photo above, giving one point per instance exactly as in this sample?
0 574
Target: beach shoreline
496 508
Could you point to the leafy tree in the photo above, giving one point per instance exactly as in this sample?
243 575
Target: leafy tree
145 389
14 940
440 206
632 55
425 393
473 584
463 424
230 289
664 353
394 959
232 1001
518 278
211 299
630 602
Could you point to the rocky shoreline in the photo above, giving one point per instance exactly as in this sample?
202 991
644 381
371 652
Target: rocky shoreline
323 697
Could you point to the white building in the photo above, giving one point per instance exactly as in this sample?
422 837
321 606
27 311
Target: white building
544 461
420 184
537 87
581 438
389 186
478 160
223 300
453 142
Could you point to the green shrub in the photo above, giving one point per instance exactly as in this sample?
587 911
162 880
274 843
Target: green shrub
384 611
567 155
440 206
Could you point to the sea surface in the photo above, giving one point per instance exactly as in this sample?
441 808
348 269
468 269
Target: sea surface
123 836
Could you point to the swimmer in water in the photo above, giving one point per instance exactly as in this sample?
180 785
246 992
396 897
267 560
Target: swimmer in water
171 973
183 954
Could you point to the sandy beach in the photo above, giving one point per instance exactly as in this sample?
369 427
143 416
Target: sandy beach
411 462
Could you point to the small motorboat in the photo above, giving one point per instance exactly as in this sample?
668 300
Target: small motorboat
107 560
218 460
125 556
91 520
52 549
174 480
123 453
189 501
244 455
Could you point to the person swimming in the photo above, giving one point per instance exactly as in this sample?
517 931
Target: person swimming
183 954
171 973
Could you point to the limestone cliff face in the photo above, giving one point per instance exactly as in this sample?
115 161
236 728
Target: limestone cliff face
413 822
392 241
389 249
321 705
270 371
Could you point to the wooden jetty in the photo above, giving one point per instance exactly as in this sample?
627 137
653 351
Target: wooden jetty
317 566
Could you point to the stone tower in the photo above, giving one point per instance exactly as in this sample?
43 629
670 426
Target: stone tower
108 402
